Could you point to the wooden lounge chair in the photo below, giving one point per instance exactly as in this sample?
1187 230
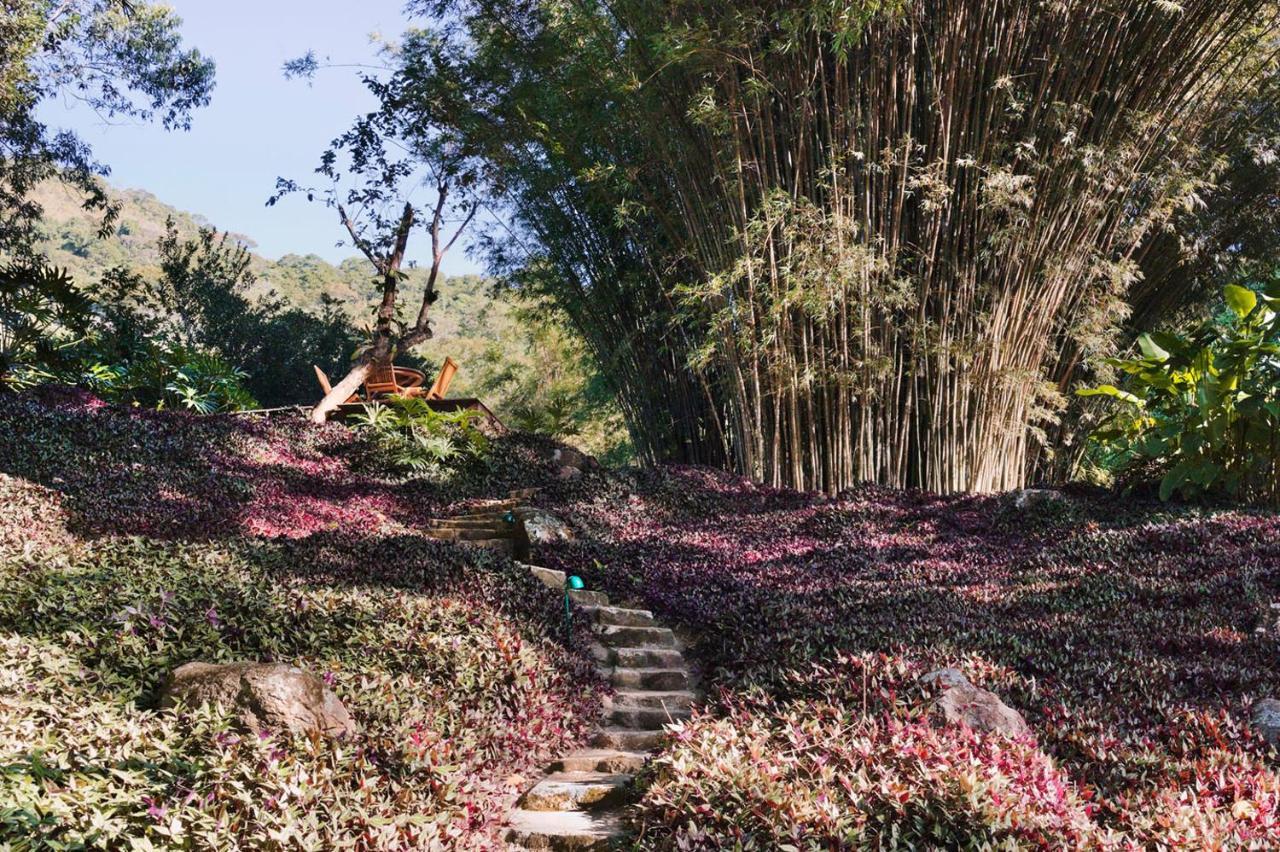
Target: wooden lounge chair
390 380
441 387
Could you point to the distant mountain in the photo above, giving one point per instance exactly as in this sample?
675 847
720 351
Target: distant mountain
70 240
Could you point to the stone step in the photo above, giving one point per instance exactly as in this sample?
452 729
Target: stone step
600 760
587 597
577 791
653 679
618 616
632 699
471 534
645 718
628 739
502 545
553 579
637 637
464 522
564 831
646 658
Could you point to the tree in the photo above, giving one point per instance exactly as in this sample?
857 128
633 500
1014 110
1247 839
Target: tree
385 156
120 58
199 303
853 242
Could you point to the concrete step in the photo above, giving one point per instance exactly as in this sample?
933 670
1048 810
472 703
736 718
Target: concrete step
577 791
647 658
628 739
620 617
645 718
643 698
564 831
637 637
600 760
652 679
587 597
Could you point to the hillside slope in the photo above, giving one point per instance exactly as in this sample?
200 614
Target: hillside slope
132 542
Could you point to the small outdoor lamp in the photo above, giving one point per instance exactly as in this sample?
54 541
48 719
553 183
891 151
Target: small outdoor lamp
571 583
509 518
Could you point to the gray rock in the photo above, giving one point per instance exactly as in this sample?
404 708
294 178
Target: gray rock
946 678
544 527
1033 498
568 457
263 695
1266 720
962 703
569 473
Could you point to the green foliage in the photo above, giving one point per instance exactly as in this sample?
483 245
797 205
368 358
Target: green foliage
42 317
50 331
1203 411
164 376
199 302
861 226
407 436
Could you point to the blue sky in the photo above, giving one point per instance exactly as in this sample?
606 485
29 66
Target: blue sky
259 125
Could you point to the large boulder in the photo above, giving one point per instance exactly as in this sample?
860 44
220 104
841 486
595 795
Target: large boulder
543 527
1266 720
263 695
962 703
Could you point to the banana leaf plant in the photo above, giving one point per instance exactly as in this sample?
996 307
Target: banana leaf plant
1204 408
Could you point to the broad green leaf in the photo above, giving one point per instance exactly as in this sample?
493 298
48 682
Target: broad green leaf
1112 391
1151 349
1241 300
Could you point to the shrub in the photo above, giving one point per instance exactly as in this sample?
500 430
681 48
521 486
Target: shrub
405 435
42 318
1203 412
164 376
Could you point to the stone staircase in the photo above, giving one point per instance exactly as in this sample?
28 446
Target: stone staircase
578 804
496 525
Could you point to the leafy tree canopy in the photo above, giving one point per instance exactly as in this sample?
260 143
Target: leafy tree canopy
120 58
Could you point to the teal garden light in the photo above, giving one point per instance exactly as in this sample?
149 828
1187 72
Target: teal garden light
572 582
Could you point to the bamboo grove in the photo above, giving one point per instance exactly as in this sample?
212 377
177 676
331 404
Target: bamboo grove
826 243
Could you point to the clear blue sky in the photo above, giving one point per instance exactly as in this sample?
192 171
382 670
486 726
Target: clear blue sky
259 125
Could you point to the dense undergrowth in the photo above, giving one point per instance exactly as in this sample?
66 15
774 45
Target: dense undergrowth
1133 638
132 542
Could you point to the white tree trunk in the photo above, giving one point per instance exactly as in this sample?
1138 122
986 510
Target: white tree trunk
341 391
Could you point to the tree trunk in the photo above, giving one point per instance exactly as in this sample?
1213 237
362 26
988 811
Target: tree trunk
342 390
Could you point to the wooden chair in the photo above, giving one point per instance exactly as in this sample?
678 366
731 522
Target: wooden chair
382 381
441 387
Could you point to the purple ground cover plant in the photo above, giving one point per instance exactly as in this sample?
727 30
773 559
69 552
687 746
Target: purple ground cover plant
132 542
1133 638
